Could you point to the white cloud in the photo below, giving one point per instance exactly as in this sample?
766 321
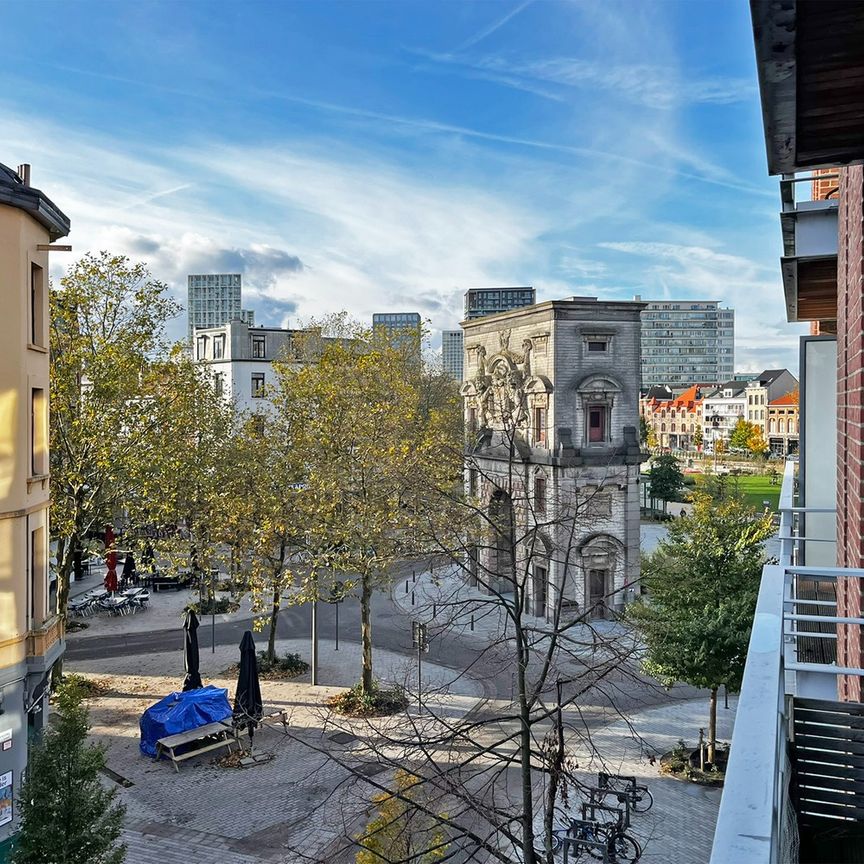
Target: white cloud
313 231
763 339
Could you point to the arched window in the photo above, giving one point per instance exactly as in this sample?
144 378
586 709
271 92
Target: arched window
663 427
771 425
673 427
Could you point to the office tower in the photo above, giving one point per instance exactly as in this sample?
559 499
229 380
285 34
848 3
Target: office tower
452 344
403 327
214 300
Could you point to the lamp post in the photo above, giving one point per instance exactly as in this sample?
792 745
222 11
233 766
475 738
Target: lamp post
421 643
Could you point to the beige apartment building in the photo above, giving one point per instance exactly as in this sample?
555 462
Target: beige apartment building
31 636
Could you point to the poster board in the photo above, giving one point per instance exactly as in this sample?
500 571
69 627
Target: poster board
6 798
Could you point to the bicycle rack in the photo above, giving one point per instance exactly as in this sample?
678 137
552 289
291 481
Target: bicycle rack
585 844
593 809
599 794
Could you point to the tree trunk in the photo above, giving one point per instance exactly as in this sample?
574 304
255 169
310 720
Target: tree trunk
712 727
65 560
274 620
528 853
366 633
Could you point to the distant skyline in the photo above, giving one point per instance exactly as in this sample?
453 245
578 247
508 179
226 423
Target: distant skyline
389 156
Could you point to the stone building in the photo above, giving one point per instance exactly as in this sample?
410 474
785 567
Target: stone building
551 400
31 634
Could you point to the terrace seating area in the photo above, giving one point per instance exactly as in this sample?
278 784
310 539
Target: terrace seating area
94 602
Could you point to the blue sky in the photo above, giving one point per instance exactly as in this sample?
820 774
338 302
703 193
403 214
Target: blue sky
376 156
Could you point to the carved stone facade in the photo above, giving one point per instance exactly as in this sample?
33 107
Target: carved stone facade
551 401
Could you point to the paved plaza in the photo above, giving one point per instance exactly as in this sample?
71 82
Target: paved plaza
302 806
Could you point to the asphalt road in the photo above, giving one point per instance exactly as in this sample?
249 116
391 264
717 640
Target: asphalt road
391 630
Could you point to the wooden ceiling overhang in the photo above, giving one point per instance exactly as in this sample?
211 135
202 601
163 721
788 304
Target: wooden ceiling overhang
810 60
810 288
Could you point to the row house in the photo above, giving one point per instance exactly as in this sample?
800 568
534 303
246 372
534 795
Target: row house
674 420
763 389
782 425
722 408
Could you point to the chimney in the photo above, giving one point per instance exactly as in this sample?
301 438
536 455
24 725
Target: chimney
24 173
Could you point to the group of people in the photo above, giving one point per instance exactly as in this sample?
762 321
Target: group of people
129 575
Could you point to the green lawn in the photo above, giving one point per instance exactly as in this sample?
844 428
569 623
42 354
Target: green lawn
757 488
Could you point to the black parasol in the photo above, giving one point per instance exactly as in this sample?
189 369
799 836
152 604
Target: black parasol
248 706
192 681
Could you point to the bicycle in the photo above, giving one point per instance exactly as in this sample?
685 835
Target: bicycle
607 843
640 797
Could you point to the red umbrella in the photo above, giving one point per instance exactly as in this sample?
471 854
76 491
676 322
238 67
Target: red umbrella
110 561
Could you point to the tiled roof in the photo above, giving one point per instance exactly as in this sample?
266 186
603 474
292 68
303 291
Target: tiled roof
787 399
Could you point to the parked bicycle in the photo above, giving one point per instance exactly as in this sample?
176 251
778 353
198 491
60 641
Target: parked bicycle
640 797
602 842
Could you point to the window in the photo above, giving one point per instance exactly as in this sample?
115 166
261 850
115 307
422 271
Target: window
472 420
539 425
257 385
540 495
37 306
38 580
472 482
596 346
218 347
38 433
596 423
258 348
201 348
219 383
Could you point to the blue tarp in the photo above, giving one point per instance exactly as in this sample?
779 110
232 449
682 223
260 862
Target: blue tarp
181 712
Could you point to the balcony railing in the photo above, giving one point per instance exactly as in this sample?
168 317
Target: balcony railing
792 769
809 262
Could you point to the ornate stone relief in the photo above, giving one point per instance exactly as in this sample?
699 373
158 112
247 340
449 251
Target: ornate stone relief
501 383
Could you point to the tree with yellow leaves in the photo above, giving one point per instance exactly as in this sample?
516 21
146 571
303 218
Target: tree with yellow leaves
107 324
367 435
401 831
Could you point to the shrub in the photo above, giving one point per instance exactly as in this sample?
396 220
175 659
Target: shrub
223 605
378 702
288 666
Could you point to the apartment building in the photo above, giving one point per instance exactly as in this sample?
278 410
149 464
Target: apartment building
480 302
794 788
32 634
674 420
687 342
215 299
452 350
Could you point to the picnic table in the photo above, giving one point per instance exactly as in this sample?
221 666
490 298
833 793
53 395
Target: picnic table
211 736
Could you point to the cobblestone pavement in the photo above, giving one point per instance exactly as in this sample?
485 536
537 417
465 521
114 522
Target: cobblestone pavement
301 806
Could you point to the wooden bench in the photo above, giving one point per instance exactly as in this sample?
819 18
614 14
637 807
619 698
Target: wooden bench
222 735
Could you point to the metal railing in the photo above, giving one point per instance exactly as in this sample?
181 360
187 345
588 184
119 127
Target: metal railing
757 822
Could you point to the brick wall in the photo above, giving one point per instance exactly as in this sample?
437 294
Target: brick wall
850 421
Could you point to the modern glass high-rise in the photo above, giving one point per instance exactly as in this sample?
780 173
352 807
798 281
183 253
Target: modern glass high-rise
214 300
687 342
452 348
404 327
480 302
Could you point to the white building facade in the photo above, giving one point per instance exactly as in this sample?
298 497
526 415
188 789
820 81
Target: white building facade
241 359
721 410
551 398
